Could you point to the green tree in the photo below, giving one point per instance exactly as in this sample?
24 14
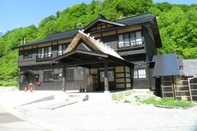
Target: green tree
30 33
133 7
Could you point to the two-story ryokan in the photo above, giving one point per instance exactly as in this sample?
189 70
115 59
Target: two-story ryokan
103 56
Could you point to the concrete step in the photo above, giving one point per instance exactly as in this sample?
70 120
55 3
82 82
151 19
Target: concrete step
57 104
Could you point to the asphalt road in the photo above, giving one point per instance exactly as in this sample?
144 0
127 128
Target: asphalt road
8 122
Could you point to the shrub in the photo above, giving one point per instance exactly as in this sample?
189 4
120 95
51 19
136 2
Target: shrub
168 102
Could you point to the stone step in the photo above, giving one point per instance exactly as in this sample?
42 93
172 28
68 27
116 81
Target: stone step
55 105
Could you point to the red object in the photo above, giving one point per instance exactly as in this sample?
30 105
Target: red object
31 90
38 83
25 89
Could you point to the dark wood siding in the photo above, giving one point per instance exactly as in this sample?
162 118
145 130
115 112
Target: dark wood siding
54 51
150 44
136 57
56 83
111 41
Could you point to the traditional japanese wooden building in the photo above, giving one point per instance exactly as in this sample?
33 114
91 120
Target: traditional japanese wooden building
105 55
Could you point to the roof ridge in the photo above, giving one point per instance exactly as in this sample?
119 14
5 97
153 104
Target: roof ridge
140 15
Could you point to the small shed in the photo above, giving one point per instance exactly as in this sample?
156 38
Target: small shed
175 77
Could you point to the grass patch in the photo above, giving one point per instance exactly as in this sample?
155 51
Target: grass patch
168 102
127 101
127 93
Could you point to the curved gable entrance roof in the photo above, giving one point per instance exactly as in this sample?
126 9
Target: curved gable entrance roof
98 53
94 44
30 72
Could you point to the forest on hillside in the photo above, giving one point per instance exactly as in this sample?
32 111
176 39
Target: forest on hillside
177 25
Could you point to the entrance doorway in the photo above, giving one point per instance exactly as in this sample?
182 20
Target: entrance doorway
111 79
29 79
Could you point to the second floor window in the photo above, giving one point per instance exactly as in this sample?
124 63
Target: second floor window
62 49
44 52
27 54
130 39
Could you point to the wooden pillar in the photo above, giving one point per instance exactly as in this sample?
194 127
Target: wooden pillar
64 79
161 84
106 82
190 93
148 76
173 88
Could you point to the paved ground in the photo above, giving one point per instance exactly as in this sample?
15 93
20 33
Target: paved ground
102 115
8 122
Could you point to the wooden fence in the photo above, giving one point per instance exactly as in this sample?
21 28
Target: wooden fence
179 87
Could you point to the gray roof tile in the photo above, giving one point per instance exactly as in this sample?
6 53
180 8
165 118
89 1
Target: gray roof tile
166 65
136 19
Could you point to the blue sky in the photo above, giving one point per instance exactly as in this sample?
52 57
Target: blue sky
22 13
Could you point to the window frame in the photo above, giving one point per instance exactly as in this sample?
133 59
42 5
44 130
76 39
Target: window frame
46 75
127 39
56 76
44 52
28 55
139 73
62 49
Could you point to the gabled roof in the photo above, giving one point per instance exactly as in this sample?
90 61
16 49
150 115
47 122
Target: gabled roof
87 52
29 71
102 19
166 65
94 44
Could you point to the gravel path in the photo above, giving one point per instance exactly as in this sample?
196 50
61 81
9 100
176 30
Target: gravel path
106 116
110 116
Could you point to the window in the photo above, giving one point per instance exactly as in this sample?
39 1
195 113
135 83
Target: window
48 76
110 76
139 73
62 48
45 52
80 71
27 54
70 75
56 76
130 39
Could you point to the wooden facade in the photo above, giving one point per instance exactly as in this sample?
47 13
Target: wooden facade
55 62
176 78
179 88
